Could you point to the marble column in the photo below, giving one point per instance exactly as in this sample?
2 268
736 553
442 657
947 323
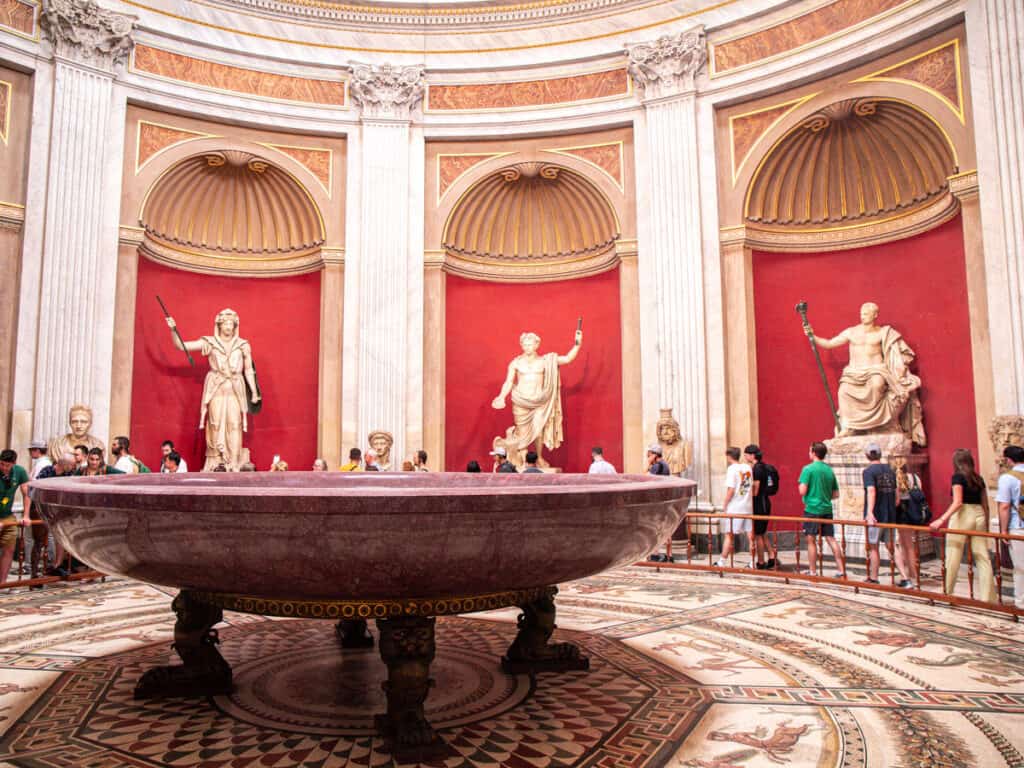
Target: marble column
995 37
670 248
384 268
80 243
740 337
332 298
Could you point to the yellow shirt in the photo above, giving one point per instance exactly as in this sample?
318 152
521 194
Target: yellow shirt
352 466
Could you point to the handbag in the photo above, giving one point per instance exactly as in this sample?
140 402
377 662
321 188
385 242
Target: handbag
917 510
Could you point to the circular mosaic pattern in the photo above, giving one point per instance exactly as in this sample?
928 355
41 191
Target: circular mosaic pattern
328 691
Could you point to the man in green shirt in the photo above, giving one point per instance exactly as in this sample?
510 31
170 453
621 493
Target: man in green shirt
818 486
12 477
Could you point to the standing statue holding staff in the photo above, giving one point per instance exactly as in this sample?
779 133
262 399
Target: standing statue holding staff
536 390
230 391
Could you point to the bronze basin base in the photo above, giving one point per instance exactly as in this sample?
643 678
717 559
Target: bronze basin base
406 640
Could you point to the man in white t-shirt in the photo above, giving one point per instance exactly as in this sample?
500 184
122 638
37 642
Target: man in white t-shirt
599 465
739 500
1008 498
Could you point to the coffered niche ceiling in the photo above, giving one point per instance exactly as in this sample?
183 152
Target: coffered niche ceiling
531 221
853 162
232 211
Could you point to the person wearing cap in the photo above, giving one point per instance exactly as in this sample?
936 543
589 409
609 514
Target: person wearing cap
655 464
42 466
37 450
599 465
501 462
879 507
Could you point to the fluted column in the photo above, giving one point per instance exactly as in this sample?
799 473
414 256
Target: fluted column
995 36
79 265
671 261
386 292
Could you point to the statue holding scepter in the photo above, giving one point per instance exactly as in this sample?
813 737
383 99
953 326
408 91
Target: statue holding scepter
230 391
533 381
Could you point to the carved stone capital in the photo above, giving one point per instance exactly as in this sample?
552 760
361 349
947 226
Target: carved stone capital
387 91
964 186
81 31
668 65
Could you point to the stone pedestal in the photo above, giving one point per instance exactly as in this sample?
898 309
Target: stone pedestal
847 458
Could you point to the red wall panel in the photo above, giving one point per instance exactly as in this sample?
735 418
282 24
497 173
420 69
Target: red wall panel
281 319
920 287
483 324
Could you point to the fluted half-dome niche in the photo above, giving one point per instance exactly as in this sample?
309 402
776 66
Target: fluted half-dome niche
854 160
231 208
528 216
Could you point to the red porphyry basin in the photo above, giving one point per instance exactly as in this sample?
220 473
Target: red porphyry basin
344 536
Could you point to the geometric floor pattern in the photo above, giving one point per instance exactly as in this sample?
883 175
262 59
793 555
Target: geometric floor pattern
686 670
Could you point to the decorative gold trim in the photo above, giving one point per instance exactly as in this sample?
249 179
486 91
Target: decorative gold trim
732 139
964 185
488 155
297 263
138 141
958 108
568 152
12 215
335 610
35 36
330 162
5 126
853 235
713 73
554 105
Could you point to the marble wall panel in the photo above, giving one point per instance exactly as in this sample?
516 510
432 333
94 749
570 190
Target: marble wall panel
938 70
316 160
797 32
225 77
18 15
607 157
528 93
154 138
451 167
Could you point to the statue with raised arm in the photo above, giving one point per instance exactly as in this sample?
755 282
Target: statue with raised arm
230 391
533 382
877 391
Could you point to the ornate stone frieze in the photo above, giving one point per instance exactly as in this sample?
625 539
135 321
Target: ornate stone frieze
668 65
84 32
386 90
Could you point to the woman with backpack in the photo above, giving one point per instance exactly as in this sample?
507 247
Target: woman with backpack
968 511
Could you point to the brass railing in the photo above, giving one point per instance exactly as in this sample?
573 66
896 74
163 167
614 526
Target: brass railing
22 558
703 524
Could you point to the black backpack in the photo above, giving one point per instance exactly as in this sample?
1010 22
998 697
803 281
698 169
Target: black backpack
916 507
771 484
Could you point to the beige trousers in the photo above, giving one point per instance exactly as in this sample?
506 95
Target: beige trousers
970 517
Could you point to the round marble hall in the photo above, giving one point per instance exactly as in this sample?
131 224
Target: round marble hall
291 289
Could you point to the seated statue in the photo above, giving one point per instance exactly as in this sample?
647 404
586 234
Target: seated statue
79 419
877 391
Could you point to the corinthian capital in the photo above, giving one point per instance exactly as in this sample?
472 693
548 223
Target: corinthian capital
668 65
385 90
82 31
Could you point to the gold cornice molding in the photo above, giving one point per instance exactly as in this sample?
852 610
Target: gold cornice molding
964 185
875 232
235 266
433 259
627 248
12 215
333 255
128 235
544 272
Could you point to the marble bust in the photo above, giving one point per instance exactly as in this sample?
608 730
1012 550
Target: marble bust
80 420
381 442
534 384
877 391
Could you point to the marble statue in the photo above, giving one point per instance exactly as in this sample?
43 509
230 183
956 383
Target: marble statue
534 384
230 391
79 419
382 442
877 391
675 451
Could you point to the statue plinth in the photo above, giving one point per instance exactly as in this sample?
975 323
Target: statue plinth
848 460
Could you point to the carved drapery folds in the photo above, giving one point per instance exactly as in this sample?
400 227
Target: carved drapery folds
82 31
387 91
231 211
854 160
668 66
531 220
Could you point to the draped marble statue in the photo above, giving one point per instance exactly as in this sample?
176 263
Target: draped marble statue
230 391
533 381
877 391
676 452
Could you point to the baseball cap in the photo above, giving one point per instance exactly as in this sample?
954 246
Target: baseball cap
654 448
37 444
499 451
873 448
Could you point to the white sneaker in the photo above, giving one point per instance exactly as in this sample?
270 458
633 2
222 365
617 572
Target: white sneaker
720 563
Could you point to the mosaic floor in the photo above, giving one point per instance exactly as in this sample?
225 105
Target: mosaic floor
686 670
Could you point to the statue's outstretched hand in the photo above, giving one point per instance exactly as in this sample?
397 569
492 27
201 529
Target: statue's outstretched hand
808 330
170 323
255 397
579 338
498 403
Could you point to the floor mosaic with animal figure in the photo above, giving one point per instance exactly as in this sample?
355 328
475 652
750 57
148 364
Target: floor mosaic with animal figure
686 670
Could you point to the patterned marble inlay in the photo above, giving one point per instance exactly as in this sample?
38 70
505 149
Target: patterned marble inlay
795 33
315 159
937 70
155 138
19 16
5 110
225 77
747 129
450 168
606 157
529 93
